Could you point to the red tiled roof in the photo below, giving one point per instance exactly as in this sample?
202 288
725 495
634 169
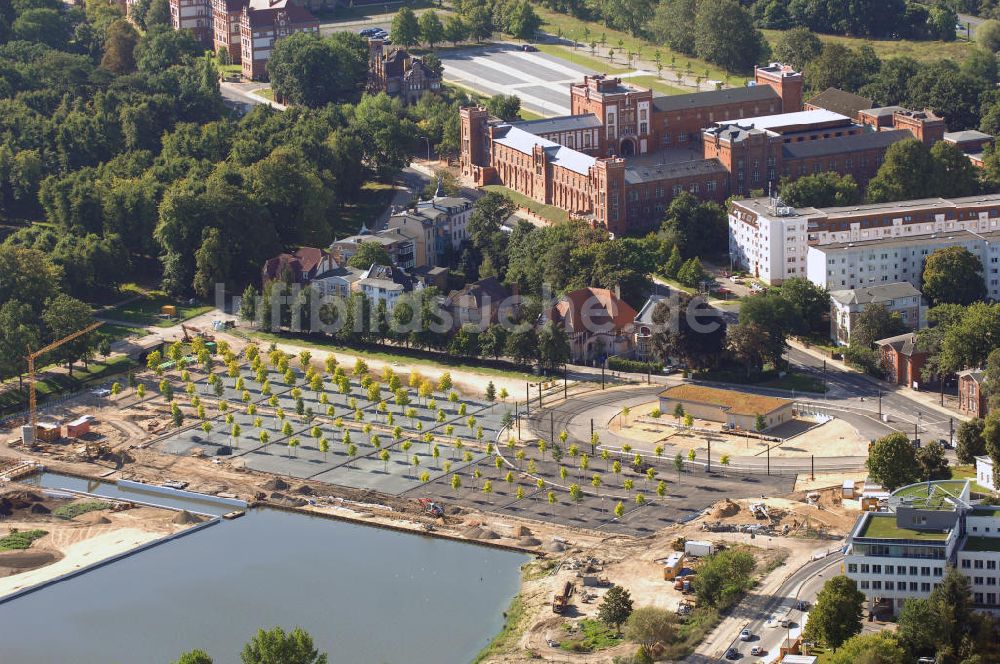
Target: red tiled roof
593 307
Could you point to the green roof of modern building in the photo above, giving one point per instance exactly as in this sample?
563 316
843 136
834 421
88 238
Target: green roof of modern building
986 510
883 526
982 544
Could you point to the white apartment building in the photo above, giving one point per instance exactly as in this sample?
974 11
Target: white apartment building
849 265
768 239
903 553
774 241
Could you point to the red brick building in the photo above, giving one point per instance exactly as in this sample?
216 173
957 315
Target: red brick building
226 16
193 15
263 22
399 74
901 361
971 395
624 154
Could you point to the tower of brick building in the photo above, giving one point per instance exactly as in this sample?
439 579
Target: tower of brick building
608 183
785 81
474 154
925 126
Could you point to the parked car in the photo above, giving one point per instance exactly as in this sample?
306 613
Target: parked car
528 48
746 635
757 651
101 392
732 653
773 621
802 605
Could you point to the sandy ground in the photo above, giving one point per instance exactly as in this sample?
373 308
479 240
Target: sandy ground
833 438
80 554
825 480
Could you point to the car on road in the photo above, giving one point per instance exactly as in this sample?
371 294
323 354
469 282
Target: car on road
757 651
772 621
101 392
369 32
732 653
802 605
528 48
746 635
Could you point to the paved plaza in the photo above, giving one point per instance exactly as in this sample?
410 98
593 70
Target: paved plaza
541 80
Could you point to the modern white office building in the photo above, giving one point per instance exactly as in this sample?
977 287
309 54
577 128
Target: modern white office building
773 241
904 553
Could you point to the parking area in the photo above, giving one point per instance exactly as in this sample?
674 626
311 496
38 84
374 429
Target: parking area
541 81
335 434
434 444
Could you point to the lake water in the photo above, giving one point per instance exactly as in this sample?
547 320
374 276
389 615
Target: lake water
364 594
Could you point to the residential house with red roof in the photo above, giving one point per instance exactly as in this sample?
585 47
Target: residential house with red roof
597 321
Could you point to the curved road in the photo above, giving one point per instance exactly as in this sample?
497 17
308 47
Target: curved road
752 613
578 414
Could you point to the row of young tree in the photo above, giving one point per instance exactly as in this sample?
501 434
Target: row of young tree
415 321
476 21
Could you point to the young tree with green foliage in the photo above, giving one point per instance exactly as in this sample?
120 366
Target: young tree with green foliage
649 625
616 607
836 615
892 461
406 27
276 646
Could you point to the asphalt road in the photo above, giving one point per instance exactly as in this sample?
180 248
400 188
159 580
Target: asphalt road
804 584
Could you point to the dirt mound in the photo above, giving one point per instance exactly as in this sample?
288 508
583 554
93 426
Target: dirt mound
15 562
529 541
95 518
480 533
555 547
288 501
186 518
38 508
521 531
276 484
305 490
724 509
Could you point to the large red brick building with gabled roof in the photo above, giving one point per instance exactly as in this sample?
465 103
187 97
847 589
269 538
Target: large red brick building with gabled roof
624 153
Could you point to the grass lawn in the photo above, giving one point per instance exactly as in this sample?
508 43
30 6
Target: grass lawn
963 472
401 355
266 93
884 527
583 58
549 212
573 28
144 311
13 400
528 115
230 69
373 200
657 85
590 635
116 332
790 381
919 50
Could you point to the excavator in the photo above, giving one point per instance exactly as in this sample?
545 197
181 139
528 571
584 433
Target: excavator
196 333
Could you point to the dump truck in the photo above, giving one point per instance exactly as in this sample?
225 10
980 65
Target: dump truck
560 602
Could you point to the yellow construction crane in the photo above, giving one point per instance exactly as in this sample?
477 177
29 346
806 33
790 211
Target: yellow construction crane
31 357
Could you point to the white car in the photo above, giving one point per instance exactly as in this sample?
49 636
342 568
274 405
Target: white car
746 635
757 651
773 621
101 392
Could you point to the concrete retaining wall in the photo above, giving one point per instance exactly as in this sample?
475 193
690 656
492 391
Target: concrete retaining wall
180 493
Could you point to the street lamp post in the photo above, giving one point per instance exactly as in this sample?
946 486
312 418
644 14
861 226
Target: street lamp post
428 141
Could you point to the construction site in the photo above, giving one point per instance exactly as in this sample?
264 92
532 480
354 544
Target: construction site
400 451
